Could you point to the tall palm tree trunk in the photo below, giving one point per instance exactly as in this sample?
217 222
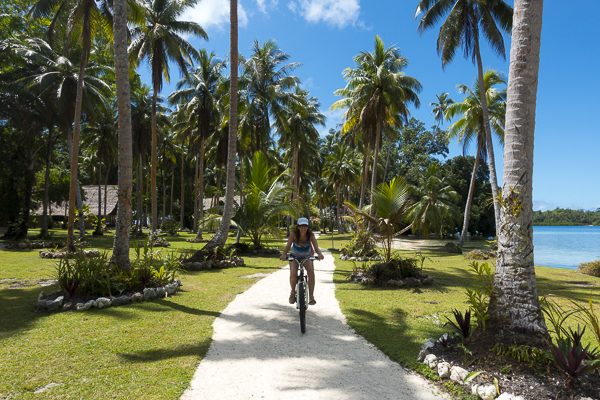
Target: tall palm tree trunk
73 185
196 187
172 188
365 174
491 159
140 192
200 188
153 164
220 237
125 156
98 230
465 228
182 194
514 309
375 159
46 201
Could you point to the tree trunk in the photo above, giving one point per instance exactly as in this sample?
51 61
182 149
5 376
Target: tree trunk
46 201
375 159
200 188
365 174
172 188
514 309
98 230
195 193
140 192
121 244
182 195
491 159
106 177
220 236
465 228
153 164
338 197
80 211
164 195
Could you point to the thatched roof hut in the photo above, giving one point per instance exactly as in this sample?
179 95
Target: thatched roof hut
90 197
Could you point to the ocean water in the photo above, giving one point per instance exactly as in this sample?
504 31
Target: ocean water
565 246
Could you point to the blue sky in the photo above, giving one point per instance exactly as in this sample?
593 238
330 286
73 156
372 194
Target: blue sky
324 36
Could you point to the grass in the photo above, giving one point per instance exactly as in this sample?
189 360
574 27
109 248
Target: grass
398 321
146 350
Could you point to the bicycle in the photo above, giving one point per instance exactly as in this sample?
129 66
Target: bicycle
301 289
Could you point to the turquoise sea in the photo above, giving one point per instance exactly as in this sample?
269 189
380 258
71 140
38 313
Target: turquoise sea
565 246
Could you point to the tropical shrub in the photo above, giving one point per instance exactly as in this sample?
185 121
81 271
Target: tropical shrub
590 268
572 357
389 209
265 200
361 246
479 255
479 299
461 323
395 269
533 356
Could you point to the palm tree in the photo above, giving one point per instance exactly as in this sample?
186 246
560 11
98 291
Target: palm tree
266 89
470 127
377 97
436 203
299 136
461 28
514 307
439 108
158 39
341 169
197 93
391 203
120 254
58 79
265 200
85 17
218 240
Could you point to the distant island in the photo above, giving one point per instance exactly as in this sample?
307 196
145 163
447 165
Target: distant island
565 216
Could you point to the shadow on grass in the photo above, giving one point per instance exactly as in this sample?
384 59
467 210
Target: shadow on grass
199 349
17 310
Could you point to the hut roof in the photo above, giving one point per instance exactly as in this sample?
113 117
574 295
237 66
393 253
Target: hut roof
90 197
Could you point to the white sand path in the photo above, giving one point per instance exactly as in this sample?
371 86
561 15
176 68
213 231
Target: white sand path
258 351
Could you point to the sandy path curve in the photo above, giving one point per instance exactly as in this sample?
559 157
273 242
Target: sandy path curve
258 351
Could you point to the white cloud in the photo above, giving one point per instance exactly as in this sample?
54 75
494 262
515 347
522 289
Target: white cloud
264 4
339 13
209 13
333 118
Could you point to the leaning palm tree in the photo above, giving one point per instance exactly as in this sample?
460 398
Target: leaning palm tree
158 40
465 19
376 97
514 307
470 127
197 93
218 240
436 204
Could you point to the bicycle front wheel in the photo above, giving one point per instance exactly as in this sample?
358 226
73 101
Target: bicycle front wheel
302 305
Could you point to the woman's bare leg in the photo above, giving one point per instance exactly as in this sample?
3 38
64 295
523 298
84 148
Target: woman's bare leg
310 270
293 275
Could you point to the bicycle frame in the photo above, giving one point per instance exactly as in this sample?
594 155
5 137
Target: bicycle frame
301 288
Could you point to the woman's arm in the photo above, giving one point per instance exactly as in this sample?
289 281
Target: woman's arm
287 246
315 246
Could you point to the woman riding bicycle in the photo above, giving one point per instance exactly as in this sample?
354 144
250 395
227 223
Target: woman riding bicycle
303 244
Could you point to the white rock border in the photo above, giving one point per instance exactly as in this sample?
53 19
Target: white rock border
59 303
445 370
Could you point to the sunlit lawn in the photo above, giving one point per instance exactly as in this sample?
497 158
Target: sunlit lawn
399 320
145 350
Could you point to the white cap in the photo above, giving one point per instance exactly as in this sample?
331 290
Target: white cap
302 221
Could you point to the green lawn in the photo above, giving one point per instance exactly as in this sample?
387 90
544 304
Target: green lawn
145 350
399 320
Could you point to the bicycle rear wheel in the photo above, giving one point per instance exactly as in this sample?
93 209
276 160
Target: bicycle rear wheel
302 305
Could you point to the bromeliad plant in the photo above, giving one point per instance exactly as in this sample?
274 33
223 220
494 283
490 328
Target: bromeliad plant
572 357
461 323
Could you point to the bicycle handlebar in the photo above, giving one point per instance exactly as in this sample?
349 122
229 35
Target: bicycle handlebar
292 258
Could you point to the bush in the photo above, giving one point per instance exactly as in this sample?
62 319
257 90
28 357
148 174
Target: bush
361 246
396 268
170 226
590 268
452 248
479 255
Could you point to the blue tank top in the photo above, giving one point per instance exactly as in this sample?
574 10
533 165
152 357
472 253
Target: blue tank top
301 251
